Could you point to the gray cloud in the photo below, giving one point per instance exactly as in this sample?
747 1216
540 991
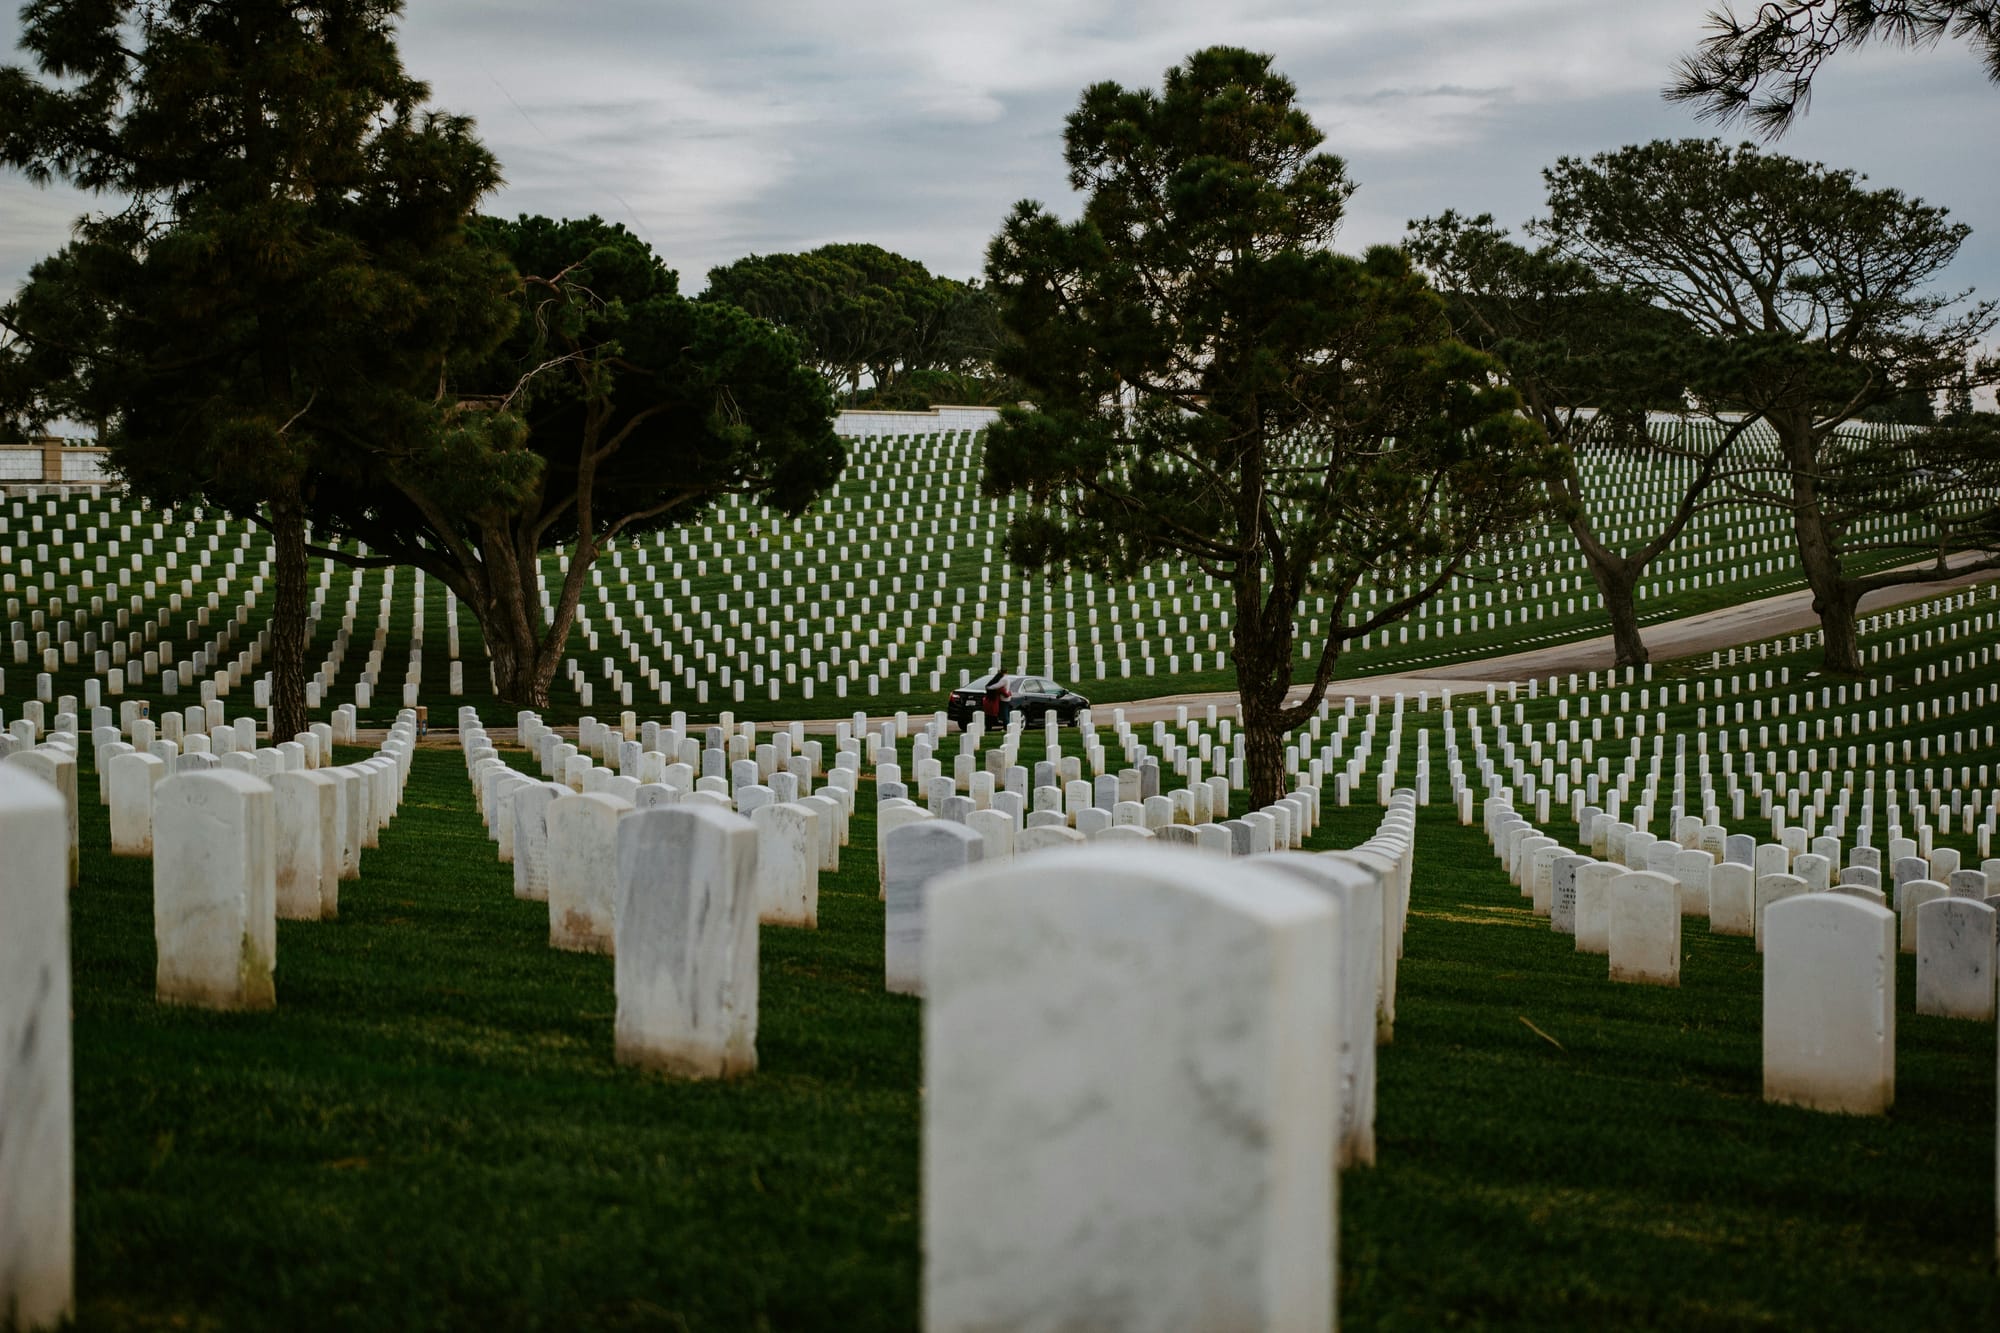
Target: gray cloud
722 130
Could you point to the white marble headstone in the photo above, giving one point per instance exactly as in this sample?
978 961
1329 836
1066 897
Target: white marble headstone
686 955
917 854
215 890
583 870
1830 1003
1129 1126
37 1145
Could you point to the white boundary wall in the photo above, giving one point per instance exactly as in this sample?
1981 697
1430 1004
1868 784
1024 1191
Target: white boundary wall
856 421
52 463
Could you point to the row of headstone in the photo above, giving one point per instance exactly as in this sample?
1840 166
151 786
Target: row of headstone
1217 1016
562 837
735 639
217 836
673 881
920 851
1829 951
914 846
232 852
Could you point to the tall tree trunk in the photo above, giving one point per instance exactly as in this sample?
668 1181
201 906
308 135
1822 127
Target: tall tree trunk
523 671
1264 743
1263 648
525 651
288 617
1840 626
1835 600
1617 584
506 657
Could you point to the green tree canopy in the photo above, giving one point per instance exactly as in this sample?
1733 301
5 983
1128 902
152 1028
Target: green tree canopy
280 274
1820 292
871 320
1213 383
1601 368
617 406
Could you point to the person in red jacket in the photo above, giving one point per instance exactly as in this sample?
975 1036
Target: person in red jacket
995 704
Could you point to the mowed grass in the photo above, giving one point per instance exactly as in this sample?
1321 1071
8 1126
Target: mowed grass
430 1131
1614 1165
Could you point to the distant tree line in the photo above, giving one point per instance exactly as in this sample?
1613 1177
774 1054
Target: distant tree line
882 329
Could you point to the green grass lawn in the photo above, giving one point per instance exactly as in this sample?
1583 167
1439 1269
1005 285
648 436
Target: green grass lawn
430 1132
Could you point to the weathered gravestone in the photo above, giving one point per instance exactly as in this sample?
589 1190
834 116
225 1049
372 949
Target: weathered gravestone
831 826
1732 900
583 871
215 918
787 864
501 816
357 795
56 767
1955 943
997 828
37 1145
1908 870
1911 898
1774 889
1356 892
1695 872
1593 905
1521 872
887 820
685 966
1645 934
916 855
1539 880
307 844
530 815
131 781
1562 892
1830 1004
1192 1068
1042 837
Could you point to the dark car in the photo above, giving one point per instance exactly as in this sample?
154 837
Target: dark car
1031 697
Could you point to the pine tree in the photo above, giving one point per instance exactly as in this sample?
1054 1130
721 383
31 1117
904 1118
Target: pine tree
281 274
1215 384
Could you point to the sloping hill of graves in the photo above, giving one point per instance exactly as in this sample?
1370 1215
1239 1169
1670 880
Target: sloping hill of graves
1633 999
891 592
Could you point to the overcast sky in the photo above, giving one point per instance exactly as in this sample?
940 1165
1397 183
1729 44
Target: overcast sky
717 130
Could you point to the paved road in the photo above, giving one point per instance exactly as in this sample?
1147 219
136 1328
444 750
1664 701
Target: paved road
1729 627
